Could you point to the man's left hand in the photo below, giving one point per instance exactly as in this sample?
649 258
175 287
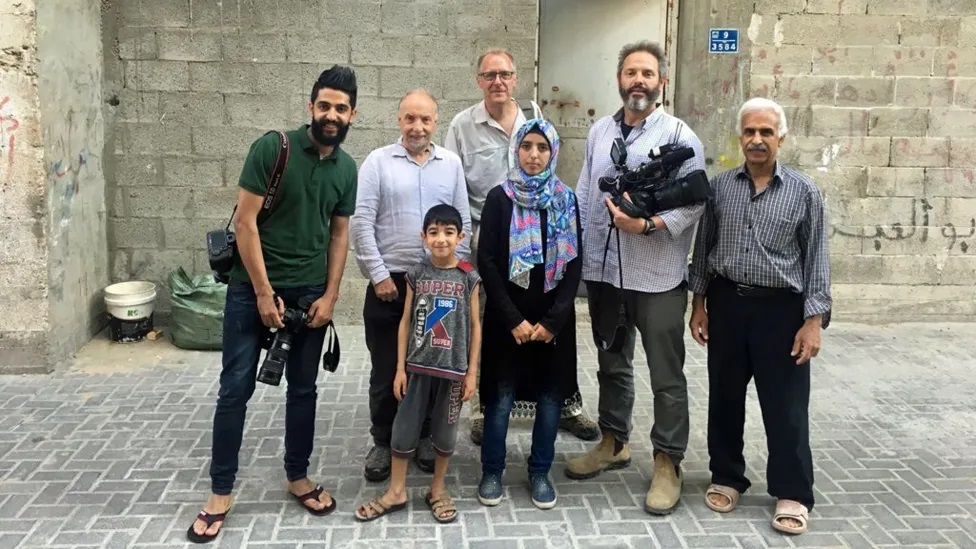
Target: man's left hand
541 333
806 344
320 313
627 224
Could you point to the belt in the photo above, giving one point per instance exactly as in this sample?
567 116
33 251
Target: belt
747 290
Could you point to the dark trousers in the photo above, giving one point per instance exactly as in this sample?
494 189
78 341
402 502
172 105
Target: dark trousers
381 320
751 337
544 430
242 335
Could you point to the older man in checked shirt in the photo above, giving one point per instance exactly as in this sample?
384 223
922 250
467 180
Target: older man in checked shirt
649 271
761 282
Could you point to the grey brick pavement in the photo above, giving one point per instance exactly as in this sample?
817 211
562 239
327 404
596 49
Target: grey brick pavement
112 452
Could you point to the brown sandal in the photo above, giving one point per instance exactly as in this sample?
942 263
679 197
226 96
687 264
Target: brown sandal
725 491
379 508
789 509
441 505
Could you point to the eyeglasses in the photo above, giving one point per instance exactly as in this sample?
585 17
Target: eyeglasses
490 76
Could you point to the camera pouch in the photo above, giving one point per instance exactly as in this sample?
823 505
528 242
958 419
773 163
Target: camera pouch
330 358
608 316
222 243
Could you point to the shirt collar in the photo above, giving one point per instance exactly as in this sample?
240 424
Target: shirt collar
743 172
480 113
399 150
305 142
618 116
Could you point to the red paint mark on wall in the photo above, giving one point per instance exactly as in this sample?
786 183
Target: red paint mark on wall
8 126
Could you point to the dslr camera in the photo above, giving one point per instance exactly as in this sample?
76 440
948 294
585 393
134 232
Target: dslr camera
652 187
280 342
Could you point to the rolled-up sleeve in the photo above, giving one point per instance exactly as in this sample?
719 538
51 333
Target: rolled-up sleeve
363 225
698 275
816 258
678 220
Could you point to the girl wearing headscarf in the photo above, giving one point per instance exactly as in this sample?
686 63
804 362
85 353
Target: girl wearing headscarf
529 260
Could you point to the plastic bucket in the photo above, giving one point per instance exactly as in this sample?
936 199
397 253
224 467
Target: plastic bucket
130 306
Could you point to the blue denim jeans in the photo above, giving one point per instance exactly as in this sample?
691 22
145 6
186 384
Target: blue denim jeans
544 430
243 333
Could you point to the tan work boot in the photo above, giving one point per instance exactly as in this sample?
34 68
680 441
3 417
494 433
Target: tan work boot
600 458
665 489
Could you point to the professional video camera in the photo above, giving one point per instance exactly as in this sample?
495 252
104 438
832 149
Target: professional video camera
652 187
279 342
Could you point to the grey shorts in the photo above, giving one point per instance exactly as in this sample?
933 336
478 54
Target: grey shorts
444 416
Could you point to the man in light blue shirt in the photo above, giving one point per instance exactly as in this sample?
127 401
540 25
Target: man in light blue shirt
398 183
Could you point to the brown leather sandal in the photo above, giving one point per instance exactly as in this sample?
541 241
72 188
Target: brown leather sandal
443 504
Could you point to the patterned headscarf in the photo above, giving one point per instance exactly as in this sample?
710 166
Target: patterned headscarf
530 194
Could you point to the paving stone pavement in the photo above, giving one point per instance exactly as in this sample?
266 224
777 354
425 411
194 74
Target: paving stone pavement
112 452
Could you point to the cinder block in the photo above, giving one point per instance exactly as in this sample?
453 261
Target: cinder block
281 79
902 61
967 30
959 268
222 77
930 31
137 43
165 202
217 141
157 75
158 13
395 81
415 18
773 7
479 20
378 112
761 85
854 30
137 106
213 203
806 90
792 60
191 108
825 152
352 16
367 78
899 121
799 120
857 91
859 7
923 91
217 15
382 50
232 168
952 7
952 62
961 210
155 265
836 121
903 182
299 49
135 232
22 239
896 7
265 111
189 234
928 152
137 138
962 152
120 265
253 47
188 171
952 122
444 51
901 211
20 311
840 181
950 182
522 49
965 93
459 84
189 45
137 169
299 16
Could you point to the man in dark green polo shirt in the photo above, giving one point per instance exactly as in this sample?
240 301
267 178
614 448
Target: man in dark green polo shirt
298 251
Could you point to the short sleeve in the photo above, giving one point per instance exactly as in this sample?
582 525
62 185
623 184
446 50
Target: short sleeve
473 279
346 206
259 163
411 277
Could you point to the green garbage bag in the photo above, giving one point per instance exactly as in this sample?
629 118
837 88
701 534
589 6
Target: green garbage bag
196 310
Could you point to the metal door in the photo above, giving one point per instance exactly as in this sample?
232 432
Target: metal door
577 74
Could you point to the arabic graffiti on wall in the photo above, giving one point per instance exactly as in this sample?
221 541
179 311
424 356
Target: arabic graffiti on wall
920 225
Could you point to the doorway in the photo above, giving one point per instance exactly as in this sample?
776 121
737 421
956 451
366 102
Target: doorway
576 77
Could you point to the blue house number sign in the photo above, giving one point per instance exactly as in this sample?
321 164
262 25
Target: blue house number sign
723 41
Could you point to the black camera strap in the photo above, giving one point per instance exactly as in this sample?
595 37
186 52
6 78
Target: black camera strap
277 175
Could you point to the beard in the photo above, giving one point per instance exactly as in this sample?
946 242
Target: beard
415 144
640 104
322 138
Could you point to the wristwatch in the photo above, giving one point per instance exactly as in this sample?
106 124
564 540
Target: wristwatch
649 228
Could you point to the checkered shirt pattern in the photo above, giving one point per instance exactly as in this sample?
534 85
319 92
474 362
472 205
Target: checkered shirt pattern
654 263
775 239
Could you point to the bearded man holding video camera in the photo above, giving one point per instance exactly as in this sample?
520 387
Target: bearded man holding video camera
292 237
641 192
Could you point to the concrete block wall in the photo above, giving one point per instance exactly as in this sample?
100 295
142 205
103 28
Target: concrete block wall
193 83
881 97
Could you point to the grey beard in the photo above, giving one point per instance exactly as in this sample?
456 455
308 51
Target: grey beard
641 104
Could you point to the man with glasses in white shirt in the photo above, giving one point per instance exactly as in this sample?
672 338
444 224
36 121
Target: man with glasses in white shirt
481 136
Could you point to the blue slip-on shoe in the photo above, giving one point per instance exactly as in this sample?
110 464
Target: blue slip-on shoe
490 489
543 494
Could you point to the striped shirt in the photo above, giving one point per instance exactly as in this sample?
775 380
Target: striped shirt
776 238
654 263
